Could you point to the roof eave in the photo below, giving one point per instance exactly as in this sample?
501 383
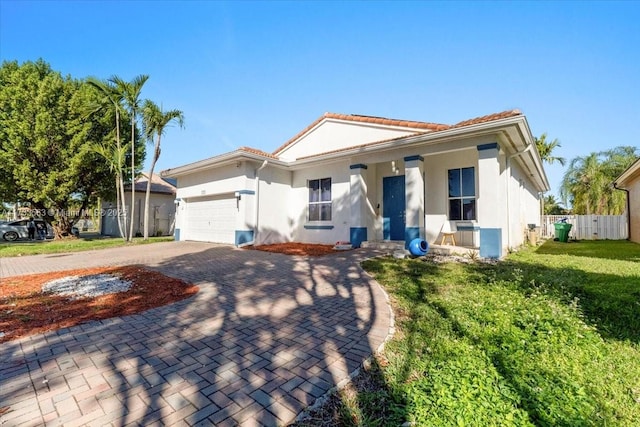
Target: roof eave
217 161
631 173
452 134
408 141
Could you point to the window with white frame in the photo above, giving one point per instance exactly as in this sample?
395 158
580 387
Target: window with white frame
462 194
320 199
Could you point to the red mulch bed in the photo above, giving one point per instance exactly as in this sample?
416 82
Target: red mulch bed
25 310
293 248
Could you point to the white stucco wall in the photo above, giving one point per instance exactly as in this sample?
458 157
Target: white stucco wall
332 135
274 224
340 181
220 180
436 169
524 204
373 212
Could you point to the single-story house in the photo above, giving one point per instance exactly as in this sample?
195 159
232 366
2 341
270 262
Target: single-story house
630 181
354 178
162 208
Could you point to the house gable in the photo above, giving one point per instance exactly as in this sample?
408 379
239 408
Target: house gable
340 131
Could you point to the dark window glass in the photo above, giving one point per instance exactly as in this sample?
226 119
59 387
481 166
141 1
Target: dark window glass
314 212
462 192
454 183
468 209
455 210
325 211
325 188
468 182
314 190
320 199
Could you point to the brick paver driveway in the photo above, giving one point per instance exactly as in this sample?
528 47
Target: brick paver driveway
265 337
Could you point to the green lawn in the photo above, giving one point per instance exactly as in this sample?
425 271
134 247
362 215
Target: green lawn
22 248
548 337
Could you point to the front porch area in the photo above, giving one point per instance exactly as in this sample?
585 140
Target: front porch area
393 246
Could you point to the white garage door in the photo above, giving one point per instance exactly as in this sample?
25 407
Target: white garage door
211 220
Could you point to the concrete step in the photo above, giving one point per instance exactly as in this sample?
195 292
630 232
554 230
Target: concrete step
385 245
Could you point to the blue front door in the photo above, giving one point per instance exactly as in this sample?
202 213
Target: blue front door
393 207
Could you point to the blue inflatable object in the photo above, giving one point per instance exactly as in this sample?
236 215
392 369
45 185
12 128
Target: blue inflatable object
418 247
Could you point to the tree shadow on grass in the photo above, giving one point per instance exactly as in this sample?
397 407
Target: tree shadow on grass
608 302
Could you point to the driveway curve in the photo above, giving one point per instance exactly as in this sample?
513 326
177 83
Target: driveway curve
265 337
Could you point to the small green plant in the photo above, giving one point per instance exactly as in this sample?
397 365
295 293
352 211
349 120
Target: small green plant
472 255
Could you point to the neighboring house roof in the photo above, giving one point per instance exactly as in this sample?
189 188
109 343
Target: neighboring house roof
158 185
628 176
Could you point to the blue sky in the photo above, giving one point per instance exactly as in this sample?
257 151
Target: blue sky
256 73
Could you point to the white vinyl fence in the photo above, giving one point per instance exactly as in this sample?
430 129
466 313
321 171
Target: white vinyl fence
588 227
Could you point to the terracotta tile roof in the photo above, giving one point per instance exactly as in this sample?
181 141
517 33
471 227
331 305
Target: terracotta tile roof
385 121
477 120
364 119
488 118
428 127
258 152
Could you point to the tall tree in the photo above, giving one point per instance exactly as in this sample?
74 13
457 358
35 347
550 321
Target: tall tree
112 154
552 207
46 140
546 149
155 121
130 92
114 157
587 184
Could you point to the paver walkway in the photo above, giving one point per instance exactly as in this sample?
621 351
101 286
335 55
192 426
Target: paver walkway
264 338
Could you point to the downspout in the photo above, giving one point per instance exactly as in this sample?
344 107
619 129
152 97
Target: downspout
628 210
257 204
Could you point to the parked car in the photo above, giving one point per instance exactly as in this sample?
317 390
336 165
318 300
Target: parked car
15 230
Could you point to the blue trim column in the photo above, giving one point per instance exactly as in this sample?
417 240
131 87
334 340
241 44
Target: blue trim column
491 242
491 202
245 219
357 204
243 236
357 235
414 198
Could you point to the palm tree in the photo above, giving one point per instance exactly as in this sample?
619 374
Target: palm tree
112 97
585 182
617 161
131 96
115 159
588 181
551 206
545 149
155 120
